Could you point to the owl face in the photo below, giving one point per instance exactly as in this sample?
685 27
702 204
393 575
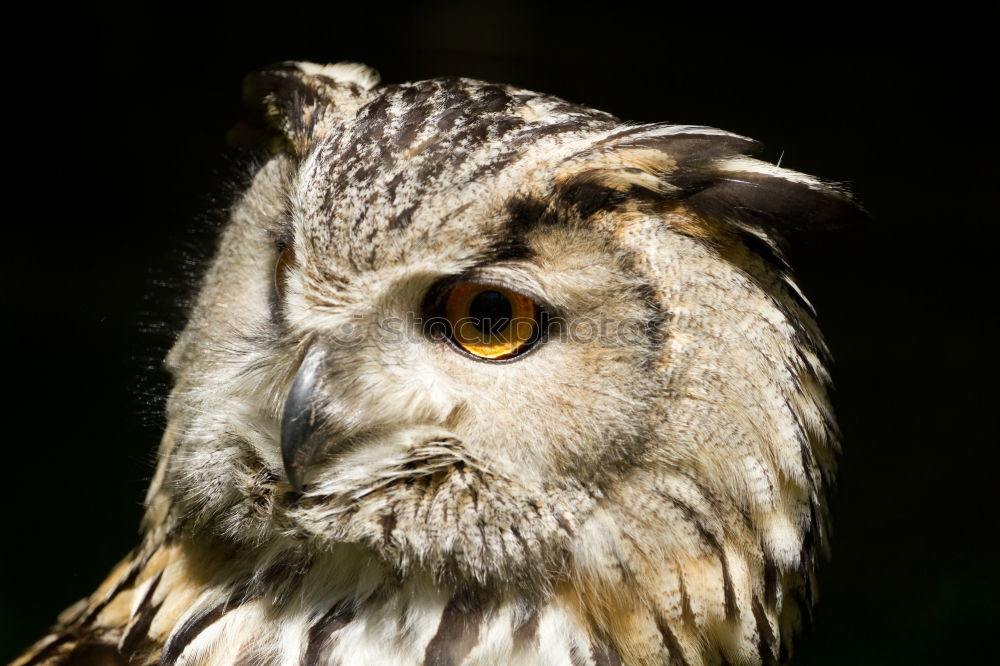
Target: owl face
394 250
504 338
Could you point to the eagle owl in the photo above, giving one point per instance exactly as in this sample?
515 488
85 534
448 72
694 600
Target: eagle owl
480 376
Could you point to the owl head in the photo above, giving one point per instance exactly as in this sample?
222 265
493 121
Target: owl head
513 343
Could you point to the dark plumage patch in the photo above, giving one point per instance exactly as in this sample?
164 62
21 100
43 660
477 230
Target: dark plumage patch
771 583
527 212
145 612
765 635
388 525
189 631
604 654
674 651
526 634
588 198
338 617
458 631
402 220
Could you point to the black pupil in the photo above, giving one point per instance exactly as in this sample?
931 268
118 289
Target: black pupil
490 312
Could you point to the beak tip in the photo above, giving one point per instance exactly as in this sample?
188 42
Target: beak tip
296 456
295 480
299 423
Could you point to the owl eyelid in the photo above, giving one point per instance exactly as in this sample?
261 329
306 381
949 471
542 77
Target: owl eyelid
512 278
434 301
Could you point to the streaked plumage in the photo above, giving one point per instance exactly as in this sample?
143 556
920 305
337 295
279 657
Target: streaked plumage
651 489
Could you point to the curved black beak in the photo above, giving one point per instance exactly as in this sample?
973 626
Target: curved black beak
302 419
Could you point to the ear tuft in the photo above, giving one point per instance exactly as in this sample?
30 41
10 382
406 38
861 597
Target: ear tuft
689 145
782 203
296 103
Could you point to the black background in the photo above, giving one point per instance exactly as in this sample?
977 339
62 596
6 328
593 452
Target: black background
118 125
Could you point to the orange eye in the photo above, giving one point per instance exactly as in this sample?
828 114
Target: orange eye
491 322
